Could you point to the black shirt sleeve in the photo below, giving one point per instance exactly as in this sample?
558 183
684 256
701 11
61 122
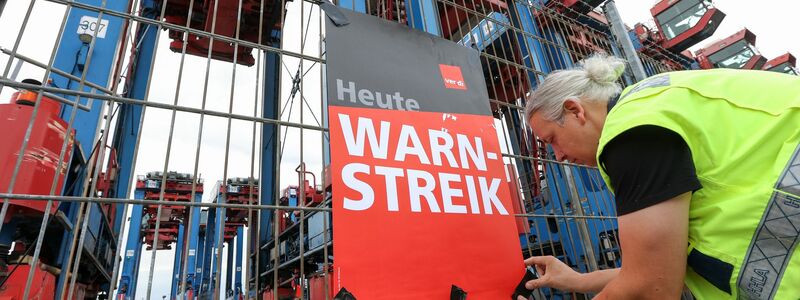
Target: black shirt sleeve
648 165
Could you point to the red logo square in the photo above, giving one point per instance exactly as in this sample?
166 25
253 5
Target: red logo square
452 77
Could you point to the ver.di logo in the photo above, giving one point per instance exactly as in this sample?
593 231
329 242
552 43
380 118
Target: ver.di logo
452 77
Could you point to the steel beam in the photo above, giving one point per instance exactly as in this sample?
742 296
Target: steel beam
423 15
133 250
194 240
177 262
229 270
624 40
269 155
208 253
237 277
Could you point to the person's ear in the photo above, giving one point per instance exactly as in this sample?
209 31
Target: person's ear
573 107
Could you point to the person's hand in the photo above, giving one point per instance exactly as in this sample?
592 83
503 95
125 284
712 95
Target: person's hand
553 273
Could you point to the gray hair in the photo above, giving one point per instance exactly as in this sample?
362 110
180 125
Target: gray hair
594 79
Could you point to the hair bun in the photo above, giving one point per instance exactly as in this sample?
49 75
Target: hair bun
603 69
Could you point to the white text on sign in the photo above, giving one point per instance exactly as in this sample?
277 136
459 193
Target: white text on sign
458 193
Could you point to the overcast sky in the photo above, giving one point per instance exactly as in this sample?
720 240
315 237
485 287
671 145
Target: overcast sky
768 22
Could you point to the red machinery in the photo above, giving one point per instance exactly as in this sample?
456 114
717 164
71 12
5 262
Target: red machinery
43 287
453 18
682 24
39 169
392 10
735 52
39 163
238 190
507 82
223 18
177 188
105 183
316 286
314 196
290 197
784 64
283 293
571 7
679 25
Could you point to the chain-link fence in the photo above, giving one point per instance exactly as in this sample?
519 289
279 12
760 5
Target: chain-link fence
134 110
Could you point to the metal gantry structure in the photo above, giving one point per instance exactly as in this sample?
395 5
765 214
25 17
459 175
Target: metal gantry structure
107 141
785 63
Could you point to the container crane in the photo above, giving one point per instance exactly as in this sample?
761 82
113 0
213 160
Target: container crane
785 63
284 254
251 24
678 26
237 190
174 187
682 24
737 51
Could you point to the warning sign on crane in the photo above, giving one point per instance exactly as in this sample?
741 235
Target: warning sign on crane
420 200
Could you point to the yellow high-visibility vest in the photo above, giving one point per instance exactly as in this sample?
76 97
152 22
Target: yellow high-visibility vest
743 129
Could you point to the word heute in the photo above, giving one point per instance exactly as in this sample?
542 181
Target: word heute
374 98
459 152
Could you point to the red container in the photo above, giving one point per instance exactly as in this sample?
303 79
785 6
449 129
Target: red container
283 293
40 159
316 287
43 285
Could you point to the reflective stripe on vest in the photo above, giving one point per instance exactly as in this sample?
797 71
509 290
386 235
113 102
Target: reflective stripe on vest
776 237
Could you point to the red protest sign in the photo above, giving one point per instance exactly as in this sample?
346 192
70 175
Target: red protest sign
421 199
421 203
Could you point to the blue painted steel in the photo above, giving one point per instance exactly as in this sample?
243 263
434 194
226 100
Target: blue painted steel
532 49
533 56
176 263
356 5
7 235
326 138
208 253
423 15
237 277
99 242
197 283
486 32
560 57
563 232
70 209
71 58
597 200
219 240
316 231
269 150
218 232
133 251
293 202
649 69
129 116
637 44
555 200
194 246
